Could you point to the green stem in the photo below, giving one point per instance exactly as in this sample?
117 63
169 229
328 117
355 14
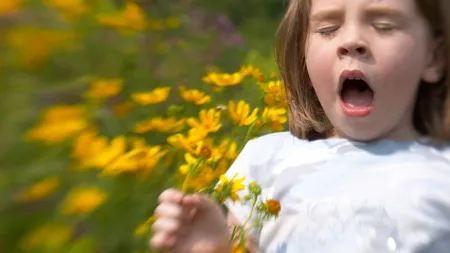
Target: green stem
247 136
184 188
251 212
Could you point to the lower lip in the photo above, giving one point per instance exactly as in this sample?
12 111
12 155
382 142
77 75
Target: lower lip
356 112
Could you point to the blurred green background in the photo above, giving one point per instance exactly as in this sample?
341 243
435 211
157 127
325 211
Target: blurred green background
51 50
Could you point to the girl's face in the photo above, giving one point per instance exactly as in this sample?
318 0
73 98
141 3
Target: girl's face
365 60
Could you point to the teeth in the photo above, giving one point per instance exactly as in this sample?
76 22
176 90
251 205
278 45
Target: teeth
354 78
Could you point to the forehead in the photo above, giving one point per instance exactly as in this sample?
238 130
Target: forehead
407 6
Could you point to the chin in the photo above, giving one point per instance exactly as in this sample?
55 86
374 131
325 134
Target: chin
359 131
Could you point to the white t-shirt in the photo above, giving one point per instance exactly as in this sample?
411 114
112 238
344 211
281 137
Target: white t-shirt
344 196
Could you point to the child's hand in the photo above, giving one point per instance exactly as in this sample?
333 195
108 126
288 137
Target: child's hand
189 223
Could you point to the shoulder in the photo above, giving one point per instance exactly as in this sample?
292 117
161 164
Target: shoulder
273 144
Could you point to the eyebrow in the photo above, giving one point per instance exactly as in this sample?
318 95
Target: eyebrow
327 14
385 12
370 12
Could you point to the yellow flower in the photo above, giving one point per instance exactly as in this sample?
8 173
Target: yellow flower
188 143
8 7
240 113
158 124
123 108
93 151
223 79
203 178
40 189
108 154
274 117
58 124
201 175
45 43
132 18
230 188
209 121
144 227
155 96
83 200
252 71
71 9
49 236
138 159
226 149
238 248
190 161
275 95
194 96
104 89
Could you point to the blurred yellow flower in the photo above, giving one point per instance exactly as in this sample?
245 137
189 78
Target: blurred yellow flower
226 149
274 94
190 161
194 96
71 9
240 113
252 71
208 121
238 248
162 125
50 237
155 96
132 18
142 159
223 79
45 43
121 109
230 188
189 142
203 177
93 151
274 117
58 124
104 88
83 200
199 173
40 189
8 7
105 156
144 227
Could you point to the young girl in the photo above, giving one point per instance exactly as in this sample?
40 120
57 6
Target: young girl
366 164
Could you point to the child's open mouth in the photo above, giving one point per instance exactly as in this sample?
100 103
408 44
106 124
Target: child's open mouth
356 96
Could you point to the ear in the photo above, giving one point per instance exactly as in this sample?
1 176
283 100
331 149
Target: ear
434 70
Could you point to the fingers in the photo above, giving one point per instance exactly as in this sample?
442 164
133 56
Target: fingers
171 195
162 241
199 201
171 220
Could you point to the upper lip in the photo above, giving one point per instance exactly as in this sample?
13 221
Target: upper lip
351 74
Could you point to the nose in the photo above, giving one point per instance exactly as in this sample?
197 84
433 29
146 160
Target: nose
353 44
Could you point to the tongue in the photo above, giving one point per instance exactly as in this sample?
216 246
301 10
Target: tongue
355 98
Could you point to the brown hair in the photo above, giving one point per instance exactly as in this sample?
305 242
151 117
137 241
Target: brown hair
307 119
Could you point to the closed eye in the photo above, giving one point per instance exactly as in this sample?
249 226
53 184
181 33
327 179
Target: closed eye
327 31
383 27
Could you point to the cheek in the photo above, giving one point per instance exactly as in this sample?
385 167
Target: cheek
400 64
320 62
